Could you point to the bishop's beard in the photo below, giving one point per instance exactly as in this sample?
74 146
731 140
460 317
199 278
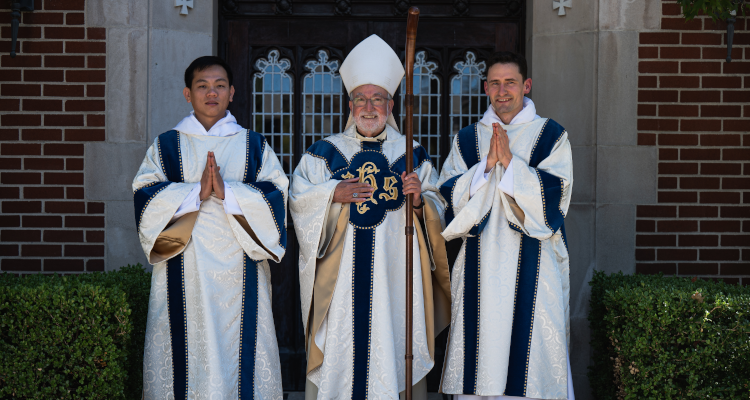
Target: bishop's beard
370 125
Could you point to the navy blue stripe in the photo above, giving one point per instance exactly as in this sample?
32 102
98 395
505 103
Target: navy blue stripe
551 132
376 145
468 144
327 151
256 144
169 151
178 324
275 200
551 197
248 327
523 316
479 227
420 157
446 190
471 313
143 196
364 243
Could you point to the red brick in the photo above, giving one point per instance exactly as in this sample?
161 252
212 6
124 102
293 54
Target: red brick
63 265
735 67
677 197
20 178
84 250
655 240
24 32
42 105
721 111
700 125
10 75
44 163
658 67
721 169
747 108
9 193
648 52
20 120
63 120
657 124
735 212
74 19
679 82
97 62
736 154
65 207
709 24
646 81
642 225
19 149
63 90
8 134
42 134
84 135
95 91
735 240
737 96
698 268
66 235
677 226
63 149
45 221
668 110
699 154
9 250
731 82
21 61
719 254
676 254
74 164
22 207
95 236
713 39
42 47
25 235
9 104
74 193
11 89
95 120
95 265
700 67
10 221
667 183
56 32
657 96
740 38
737 125
64 5
673 139
735 269
648 110
656 268
21 264
681 52
96 33
686 183
95 208
646 139
668 154
85 76
699 212
671 9
720 53
720 198
720 226
715 139
659 38
84 222
64 61
735 183
85 47
645 254
95 105
699 240
10 163
680 24
43 75
63 178
42 18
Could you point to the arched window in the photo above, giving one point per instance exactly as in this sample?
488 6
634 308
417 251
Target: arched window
274 107
468 101
426 106
323 100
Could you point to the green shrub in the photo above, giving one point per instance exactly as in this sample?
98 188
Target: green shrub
656 337
73 337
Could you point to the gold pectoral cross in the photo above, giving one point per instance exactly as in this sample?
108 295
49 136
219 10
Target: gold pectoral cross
366 175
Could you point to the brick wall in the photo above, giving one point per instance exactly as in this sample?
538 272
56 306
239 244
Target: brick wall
51 104
695 108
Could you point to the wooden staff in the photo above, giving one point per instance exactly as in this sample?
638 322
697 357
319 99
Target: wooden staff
411 39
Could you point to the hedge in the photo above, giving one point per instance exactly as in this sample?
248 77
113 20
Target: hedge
657 337
75 336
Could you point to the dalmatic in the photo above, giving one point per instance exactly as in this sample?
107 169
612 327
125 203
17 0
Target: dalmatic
210 331
510 284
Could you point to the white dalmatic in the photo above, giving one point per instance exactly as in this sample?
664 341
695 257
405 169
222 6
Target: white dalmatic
210 331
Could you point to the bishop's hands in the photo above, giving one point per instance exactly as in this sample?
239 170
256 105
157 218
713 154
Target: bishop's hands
499 148
352 191
211 180
412 185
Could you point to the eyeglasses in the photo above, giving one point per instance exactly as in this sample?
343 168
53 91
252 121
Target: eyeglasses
375 101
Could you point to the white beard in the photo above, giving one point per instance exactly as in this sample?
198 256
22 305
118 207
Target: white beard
370 125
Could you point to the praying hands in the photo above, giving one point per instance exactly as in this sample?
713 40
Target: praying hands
499 148
211 181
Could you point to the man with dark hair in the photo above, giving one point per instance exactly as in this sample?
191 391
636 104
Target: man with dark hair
210 208
507 182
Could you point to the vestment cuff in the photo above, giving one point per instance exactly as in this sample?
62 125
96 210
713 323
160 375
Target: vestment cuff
231 206
506 183
480 177
191 203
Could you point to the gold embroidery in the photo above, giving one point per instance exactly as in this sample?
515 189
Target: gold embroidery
348 175
367 175
389 185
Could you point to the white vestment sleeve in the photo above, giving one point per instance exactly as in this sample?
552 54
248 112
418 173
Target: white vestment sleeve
480 177
231 206
506 183
191 203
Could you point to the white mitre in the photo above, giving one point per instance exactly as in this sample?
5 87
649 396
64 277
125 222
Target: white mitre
372 62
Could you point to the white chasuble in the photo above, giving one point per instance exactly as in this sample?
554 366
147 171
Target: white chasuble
210 331
352 266
510 283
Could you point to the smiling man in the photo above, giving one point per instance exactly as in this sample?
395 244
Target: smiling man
210 208
508 181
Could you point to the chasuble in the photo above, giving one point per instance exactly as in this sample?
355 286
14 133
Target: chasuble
352 266
210 331
510 283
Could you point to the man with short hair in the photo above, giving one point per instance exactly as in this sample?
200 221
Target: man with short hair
210 208
348 199
507 181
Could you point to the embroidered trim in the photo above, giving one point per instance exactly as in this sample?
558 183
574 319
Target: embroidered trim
145 206
268 203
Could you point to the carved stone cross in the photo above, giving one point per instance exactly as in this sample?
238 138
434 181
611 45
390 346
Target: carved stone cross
561 6
184 4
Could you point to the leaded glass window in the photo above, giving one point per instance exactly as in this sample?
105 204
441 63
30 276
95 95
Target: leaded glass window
468 101
274 109
322 100
426 106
